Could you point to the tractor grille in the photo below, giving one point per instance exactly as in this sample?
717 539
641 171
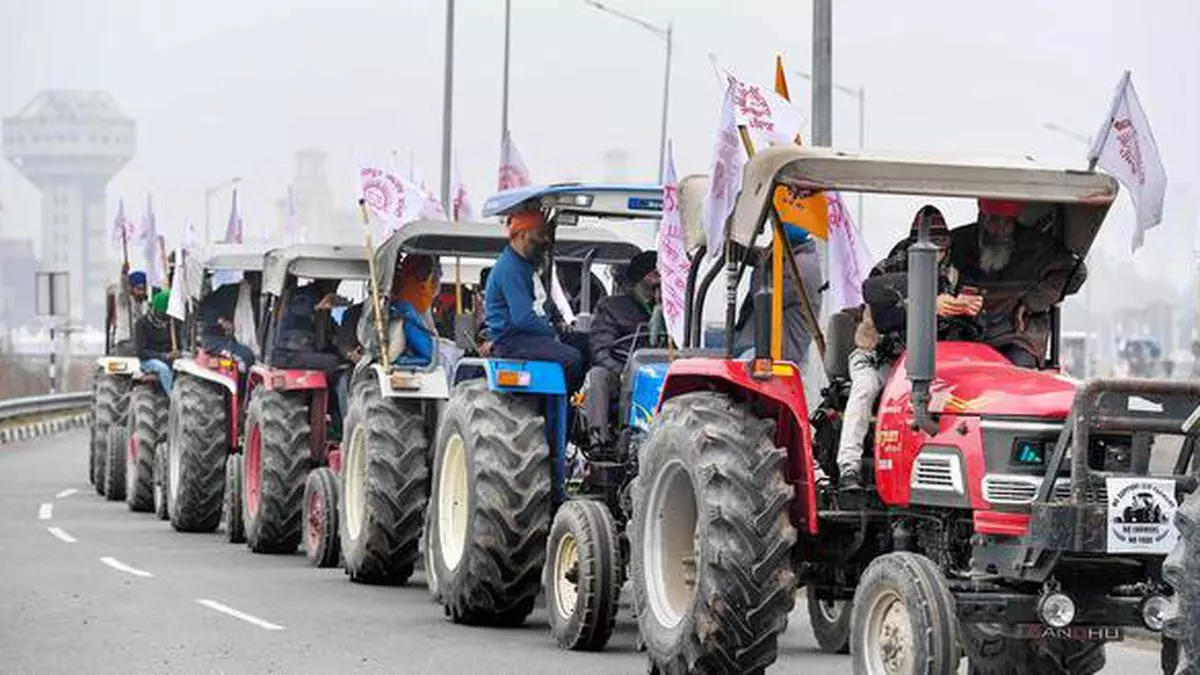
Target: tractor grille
937 471
1011 489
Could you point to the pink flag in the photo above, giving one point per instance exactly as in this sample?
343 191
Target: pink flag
234 231
726 172
673 263
849 259
395 199
1126 149
122 228
460 200
513 173
769 118
148 237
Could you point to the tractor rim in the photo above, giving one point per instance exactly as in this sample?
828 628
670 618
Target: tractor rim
831 610
316 522
566 592
355 468
453 495
888 643
253 471
670 545
174 468
131 456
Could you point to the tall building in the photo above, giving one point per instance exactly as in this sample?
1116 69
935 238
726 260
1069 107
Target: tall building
70 144
319 218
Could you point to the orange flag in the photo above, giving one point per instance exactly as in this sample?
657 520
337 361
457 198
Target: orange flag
808 213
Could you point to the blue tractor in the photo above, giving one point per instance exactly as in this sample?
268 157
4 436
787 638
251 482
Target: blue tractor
507 499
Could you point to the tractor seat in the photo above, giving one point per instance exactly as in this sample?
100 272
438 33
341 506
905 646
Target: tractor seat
839 342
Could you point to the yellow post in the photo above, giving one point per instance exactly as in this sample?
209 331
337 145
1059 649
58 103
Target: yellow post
457 288
378 309
777 249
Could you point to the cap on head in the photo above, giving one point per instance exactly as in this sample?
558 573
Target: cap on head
642 264
939 233
1000 207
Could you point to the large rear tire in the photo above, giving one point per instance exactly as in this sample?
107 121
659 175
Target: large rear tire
490 505
114 462
830 620
277 461
321 518
711 539
582 578
231 509
903 621
108 409
1182 570
990 652
198 447
385 485
161 490
146 427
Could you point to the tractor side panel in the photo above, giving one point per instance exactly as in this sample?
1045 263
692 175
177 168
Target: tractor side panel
648 381
780 396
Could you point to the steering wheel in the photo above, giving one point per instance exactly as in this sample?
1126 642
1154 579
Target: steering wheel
623 347
960 328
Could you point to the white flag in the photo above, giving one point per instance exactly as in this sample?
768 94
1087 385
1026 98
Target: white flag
177 304
769 118
849 259
1126 149
234 230
673 263
726 172
460 200
148 237
513 173
122 228
189 239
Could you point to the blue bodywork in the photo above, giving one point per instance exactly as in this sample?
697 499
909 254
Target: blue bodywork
647 387
641 201
546 380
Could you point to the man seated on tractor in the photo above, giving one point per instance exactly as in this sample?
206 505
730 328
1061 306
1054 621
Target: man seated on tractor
412 338
1023 273
131 298
879 339
796 338
515 300
618 319
306 337
217 311
152 338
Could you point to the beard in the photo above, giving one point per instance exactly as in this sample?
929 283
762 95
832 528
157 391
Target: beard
995 256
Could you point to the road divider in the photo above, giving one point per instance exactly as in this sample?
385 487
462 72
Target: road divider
61 535
229 611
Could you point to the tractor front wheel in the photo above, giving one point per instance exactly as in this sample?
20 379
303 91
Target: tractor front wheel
830 621
161 460
582 575
711 539
903 621
321 518
114 463
991 652
490 505
277 460
231 509
108 409
1182 570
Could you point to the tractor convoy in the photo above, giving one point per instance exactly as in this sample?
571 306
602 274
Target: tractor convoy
1015 517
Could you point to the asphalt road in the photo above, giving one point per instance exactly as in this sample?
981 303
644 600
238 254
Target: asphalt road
88 587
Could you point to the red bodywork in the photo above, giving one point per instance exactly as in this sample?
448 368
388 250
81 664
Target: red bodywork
277 379
226 366
972 380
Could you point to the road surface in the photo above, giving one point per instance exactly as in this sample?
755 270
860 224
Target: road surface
88 587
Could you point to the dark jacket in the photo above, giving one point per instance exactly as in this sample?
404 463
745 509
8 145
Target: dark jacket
1040 274
219 304
152 337
618 316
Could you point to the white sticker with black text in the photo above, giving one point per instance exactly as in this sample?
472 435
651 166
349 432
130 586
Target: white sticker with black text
1141 515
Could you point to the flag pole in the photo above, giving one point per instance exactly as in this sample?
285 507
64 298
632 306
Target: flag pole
162 256
375 306
1102 138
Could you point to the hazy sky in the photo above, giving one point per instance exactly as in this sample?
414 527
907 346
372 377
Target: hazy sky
222 88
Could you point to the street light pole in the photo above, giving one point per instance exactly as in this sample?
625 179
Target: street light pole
859 93
448 103
504 95
665 34
822 60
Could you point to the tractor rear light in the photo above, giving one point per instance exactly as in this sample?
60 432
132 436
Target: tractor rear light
278 381
1057 610
760 369
575 200
225 364
115 367
1154 612
512 378
404 381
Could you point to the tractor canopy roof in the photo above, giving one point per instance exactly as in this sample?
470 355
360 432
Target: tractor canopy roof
1085 196
313 261
587 200
486 240
231 257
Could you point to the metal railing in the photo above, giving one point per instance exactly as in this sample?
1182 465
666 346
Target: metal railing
32 406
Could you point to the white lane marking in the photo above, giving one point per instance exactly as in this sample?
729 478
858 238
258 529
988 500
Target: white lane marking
122 567
225 609
45 512
61 535
66 493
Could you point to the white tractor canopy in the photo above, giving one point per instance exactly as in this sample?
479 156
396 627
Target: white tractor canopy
581 200
231 257
1085 196
313 261
485 241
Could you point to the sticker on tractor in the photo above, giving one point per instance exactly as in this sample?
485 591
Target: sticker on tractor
1141 515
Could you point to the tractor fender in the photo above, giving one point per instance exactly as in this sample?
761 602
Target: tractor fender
119 365
191 367
418 384
781 395
284 379
530 377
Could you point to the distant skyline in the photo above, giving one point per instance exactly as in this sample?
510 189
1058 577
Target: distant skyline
228 88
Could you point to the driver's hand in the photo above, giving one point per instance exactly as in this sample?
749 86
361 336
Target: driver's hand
947 305
971 304
326 302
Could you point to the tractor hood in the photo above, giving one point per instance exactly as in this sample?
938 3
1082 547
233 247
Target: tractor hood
974 379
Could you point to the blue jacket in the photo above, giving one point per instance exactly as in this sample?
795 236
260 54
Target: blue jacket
509 300
418 341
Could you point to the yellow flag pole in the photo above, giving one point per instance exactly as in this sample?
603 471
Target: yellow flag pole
375 304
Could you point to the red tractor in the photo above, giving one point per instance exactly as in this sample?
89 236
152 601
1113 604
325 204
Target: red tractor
207 401
987 520
290 429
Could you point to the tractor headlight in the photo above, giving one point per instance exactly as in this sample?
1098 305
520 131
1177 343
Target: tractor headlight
1154 612
1056 609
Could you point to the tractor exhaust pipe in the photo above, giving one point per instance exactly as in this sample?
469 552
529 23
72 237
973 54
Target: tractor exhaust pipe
922 323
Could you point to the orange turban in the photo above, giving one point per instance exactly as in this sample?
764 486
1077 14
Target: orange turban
524 221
